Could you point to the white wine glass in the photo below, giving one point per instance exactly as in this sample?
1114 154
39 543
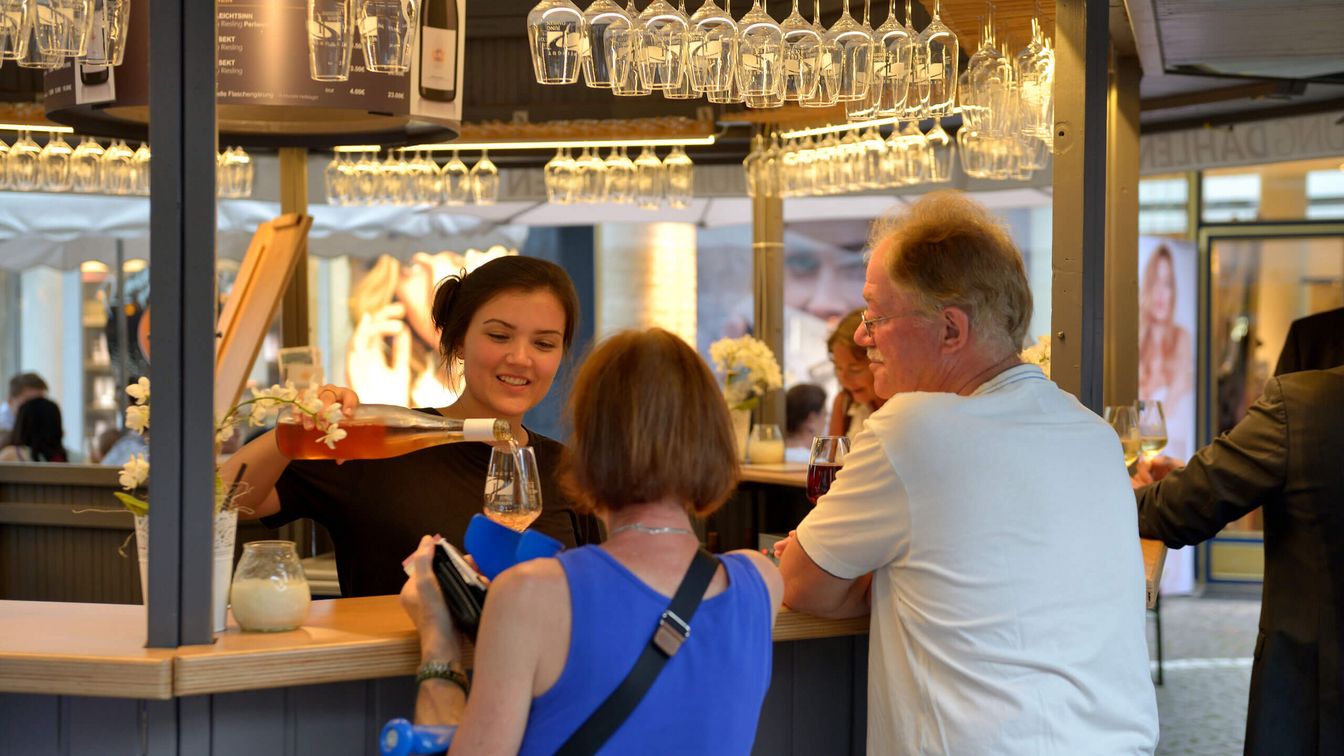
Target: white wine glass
485 180
891 75
649 179
661 46
513 488
623 47
854 45
941 44
55 159
680 178
1125 422
140 160
555 36
828 72
24 164
1152 427
760 53
456 179
591 177
802 56
619 177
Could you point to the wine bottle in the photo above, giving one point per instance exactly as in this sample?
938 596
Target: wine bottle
378 431
438 50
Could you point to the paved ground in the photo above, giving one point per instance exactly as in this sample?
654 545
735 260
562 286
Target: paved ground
1207 645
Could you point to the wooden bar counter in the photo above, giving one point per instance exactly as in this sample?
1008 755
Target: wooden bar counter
79 673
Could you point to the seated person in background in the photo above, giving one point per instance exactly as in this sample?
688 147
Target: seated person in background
22 387
804 418
37 434
1006 603
857 398
652 446
1284 456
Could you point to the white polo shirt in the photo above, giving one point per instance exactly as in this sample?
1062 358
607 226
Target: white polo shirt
1008 594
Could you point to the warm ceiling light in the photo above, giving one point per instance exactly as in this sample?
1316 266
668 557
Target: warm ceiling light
553 144
31 127
358 148
92 266
134 265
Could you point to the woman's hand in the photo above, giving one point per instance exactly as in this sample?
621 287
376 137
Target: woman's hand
423 602
332 394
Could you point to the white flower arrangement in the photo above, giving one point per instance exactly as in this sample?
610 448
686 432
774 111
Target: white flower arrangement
264 405
1039 354
749 369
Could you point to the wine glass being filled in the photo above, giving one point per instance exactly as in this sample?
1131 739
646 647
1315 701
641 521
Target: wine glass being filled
504 330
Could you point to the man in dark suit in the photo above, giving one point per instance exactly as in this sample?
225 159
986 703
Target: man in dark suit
1286 455
1315 342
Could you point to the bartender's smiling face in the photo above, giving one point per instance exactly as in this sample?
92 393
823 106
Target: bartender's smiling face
512 349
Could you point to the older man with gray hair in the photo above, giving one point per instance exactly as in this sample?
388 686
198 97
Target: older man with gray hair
983 516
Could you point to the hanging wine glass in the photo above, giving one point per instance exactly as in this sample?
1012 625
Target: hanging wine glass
244 171
456 181
16 22
854 45
4 168
917 93
34 56
684 90
140 161
626 79
118 170
760 51
590 173
802 56
331 179
428 187
1036 77
788 169
940 144
892 75
86 166
711 50
363 183
649 177
942 64
111 21
769 168
730 96
601 17
828 71
661 49
555 175
391 181
55 160
751 166
63 26
772 99
24 163
874 158
916 151
851 167
619 176
555 34
680 177
485 181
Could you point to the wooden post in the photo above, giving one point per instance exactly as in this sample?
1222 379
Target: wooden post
767 264
295 326
1121 384
1078 293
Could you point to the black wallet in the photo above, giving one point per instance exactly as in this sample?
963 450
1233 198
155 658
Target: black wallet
463 590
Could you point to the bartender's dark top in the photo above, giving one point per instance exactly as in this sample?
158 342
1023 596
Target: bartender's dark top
376 510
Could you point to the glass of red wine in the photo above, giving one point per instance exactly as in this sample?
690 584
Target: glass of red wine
825 460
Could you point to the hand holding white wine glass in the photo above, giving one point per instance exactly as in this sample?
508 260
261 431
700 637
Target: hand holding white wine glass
1152 427
513 487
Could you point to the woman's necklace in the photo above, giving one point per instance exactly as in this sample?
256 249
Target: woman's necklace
642 528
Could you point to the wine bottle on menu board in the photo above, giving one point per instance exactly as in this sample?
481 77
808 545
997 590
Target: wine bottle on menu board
438 50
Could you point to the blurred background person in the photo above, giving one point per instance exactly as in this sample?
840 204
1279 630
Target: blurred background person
1315 342
857 398
1166 351
22 387
804 418
37 434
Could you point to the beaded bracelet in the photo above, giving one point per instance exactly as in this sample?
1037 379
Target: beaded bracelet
450 671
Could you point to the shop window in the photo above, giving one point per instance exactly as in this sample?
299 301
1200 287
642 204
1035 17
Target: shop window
1232 198
1162 206
1325 194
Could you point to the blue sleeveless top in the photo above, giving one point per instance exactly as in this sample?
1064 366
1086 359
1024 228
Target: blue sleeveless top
707 698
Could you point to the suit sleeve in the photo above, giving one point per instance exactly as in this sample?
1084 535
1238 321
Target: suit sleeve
1241 470
1290 359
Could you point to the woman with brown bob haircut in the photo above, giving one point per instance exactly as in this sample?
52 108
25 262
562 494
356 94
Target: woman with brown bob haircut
652 446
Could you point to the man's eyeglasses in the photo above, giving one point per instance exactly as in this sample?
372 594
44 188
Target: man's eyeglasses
868 322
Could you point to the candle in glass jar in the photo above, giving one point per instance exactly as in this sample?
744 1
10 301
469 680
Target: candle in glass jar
270 604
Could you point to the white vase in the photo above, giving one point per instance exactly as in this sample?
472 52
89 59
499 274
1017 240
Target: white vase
741 429
225 531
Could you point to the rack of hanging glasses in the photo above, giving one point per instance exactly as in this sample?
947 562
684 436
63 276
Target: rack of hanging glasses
90 168
889 70
43 34
408 177
645 181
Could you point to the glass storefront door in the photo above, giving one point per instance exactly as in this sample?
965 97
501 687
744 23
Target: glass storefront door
1260 278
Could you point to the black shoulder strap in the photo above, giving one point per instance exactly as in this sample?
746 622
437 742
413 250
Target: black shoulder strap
674 627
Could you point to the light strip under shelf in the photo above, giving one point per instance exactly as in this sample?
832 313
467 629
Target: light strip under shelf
30 127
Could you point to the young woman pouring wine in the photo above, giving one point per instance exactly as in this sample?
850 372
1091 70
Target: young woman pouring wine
504 329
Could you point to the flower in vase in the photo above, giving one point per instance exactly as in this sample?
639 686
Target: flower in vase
1038 354
749 369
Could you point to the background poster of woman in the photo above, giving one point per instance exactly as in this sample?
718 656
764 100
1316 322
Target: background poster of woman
1167 301
1168 296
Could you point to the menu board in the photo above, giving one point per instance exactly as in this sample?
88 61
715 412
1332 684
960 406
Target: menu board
262 55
